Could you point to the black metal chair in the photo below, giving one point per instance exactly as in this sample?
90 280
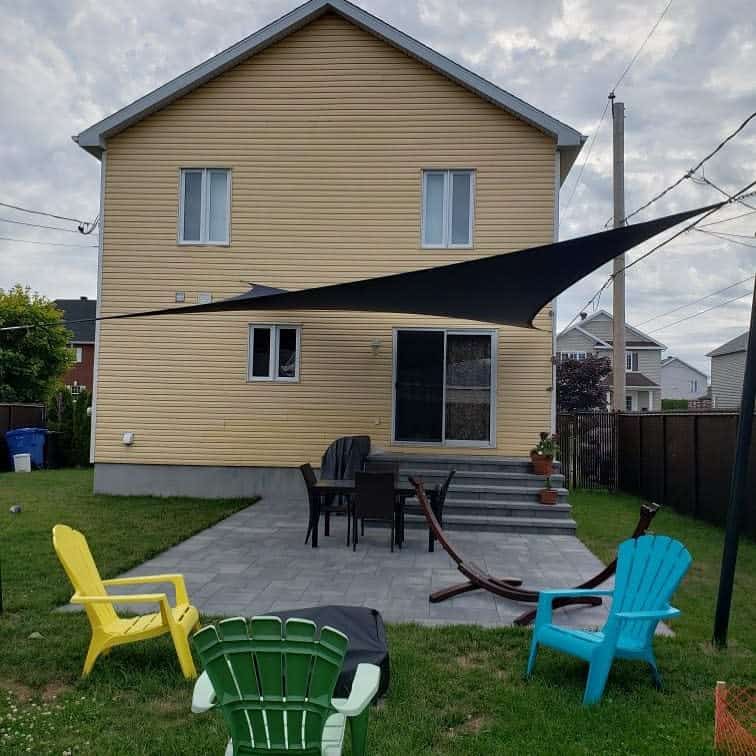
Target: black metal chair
319 503
438 498
374 499
380 467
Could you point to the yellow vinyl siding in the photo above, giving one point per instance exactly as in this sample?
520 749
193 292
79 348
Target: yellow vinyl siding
326 134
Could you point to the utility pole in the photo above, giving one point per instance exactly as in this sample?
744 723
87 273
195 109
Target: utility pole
618 308
739 494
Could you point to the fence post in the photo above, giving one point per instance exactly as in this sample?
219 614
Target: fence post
640 456
694 465
664 460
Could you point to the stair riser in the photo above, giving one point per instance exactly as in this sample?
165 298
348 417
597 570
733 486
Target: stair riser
460 463
539 511
499 496
471 479
498 527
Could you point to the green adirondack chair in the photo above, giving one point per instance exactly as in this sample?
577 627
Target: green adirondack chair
274 684
649 569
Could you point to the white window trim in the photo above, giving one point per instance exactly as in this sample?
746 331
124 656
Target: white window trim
629 359
492 439
447 215
272 376
204 208
579 356
78 355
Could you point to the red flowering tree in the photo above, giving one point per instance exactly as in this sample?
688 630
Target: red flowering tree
581 384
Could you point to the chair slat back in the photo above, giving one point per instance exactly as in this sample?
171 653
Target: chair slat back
443 489
374 495
649 570
273 681
433 522
308 474
73 552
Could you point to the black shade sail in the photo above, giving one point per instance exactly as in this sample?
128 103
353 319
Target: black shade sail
508 288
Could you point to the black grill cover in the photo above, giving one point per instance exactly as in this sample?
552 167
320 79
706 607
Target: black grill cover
367 639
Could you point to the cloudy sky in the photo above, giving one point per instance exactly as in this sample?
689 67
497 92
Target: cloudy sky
65 65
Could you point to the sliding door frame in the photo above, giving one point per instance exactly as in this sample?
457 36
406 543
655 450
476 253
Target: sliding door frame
494 334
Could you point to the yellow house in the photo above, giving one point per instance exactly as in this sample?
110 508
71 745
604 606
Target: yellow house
326 147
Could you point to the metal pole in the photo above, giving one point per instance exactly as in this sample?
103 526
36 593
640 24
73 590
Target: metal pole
737 506
618 307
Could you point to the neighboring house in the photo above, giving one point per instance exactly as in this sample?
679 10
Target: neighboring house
682 381
327 147
79 315
727 371
593 335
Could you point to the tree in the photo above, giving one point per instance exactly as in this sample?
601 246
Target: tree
581 385
69 419
32 360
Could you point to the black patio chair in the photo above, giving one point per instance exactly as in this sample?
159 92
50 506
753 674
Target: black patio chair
326 505
374 499
380 467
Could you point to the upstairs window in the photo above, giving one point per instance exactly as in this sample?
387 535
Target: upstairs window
631 361
78 354
693 384
273 353
204 202
579 356
448 201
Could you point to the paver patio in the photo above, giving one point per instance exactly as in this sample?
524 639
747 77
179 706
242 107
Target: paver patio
256 562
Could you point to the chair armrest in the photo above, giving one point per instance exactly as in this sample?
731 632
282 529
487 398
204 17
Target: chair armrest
203 697
177 581
130 598
545 599
658 614
364 688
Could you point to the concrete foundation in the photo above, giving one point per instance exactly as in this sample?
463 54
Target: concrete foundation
200 481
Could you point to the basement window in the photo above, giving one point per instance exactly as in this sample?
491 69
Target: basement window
204 206
273 353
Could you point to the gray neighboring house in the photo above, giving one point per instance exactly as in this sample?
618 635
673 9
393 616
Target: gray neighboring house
727 370
593 335
680 380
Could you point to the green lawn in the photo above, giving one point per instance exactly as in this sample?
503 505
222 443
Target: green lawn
453 690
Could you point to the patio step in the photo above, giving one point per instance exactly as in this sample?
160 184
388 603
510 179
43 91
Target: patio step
488 493
559 511
432 476
532 525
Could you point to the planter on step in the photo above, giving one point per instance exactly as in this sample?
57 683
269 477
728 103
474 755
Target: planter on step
548 495
543 465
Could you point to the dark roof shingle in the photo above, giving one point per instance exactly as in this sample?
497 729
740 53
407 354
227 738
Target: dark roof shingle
79 310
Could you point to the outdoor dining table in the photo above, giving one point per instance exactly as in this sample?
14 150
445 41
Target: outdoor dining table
347 487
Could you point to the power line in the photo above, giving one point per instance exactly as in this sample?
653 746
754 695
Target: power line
42 212
703 180
727 220
716 235
47 244
606 107
694 302
37 225
587 156
752 237
640 49
693 170
702 312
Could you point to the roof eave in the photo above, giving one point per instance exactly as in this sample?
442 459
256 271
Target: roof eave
93 139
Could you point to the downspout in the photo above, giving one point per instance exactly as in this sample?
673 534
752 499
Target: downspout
98 308
557 185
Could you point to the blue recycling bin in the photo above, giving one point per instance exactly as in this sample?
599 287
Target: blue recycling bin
29 441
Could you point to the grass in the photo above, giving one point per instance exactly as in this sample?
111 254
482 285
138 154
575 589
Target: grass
454 690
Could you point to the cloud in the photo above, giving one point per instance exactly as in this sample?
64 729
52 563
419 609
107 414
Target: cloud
67 64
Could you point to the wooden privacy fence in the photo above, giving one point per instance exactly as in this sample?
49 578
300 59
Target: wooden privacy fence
684 461
681 460
14 416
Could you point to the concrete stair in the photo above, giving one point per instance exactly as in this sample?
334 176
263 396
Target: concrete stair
495 494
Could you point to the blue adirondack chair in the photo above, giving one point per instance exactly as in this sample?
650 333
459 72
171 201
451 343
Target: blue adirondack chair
649 569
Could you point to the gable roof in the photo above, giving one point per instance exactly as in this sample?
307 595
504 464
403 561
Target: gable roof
668 360
79 309
643 340
738 344
93 139
633 380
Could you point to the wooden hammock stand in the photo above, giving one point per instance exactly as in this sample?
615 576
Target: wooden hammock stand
509 587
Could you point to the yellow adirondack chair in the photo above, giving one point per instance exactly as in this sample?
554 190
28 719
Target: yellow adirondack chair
108 629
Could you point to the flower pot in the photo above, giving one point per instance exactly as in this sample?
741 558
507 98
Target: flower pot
548 495
542 465
534 455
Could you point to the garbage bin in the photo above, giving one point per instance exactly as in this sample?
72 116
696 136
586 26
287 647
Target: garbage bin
29 441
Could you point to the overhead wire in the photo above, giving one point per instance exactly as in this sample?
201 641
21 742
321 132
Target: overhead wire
38 225
42 212
702 312
47 244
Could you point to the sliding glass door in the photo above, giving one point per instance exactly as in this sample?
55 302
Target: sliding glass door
444 387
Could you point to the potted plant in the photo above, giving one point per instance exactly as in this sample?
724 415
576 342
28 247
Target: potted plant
548 495
545 452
